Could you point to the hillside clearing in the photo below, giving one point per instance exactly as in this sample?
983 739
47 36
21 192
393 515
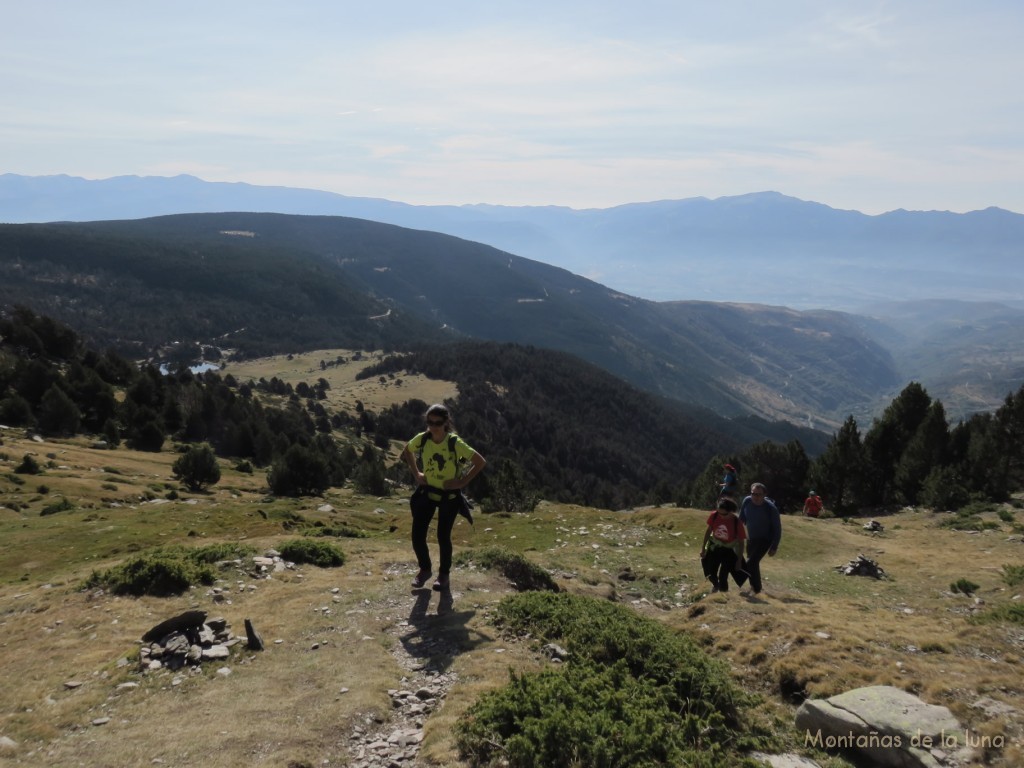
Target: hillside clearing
339 639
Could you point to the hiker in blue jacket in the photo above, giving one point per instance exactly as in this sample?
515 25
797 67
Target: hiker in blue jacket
764 531
442 464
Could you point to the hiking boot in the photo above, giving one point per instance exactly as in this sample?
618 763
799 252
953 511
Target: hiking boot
421 578
441 585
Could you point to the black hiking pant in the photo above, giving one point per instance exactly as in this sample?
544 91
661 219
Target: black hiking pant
718 563
756 549
423 509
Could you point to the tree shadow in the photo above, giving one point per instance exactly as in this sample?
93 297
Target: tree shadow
439 637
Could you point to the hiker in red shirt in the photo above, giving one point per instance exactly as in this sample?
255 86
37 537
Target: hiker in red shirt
722 549
813 504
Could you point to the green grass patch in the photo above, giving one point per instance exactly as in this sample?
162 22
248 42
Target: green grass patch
969 519
526 576
322 554
1012 613
631 693
1013 575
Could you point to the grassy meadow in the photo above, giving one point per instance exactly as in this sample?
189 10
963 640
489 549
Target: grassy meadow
332 635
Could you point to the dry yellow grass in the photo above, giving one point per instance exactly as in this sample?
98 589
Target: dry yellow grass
345 389
343 632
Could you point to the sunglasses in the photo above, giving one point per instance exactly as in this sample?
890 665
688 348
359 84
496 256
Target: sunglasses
757 493
436 422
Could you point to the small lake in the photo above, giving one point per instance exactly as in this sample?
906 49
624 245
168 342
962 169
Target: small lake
201 368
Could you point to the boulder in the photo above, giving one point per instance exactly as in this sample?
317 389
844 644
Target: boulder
180 623
888 726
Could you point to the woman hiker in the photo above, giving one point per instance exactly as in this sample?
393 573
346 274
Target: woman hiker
721 553
438 460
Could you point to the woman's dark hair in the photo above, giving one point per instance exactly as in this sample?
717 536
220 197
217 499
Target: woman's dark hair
727 504
437 409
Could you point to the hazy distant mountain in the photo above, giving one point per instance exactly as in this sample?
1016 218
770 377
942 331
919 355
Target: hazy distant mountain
764 247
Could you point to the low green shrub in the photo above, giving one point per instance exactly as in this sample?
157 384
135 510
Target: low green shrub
215 553
1006 516
336 531
166 571
526 576
631 693
322 554
58 506
28 466
157 574
964 586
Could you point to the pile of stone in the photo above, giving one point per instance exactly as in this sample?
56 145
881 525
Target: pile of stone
862 566
190 639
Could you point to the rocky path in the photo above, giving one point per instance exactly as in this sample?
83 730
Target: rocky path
425 650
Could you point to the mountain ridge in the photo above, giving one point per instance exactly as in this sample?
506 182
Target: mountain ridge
772 244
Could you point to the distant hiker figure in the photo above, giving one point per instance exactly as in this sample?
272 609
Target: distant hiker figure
730 484
442 464
813 504
722 549
764 531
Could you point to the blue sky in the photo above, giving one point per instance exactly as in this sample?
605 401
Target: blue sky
863 105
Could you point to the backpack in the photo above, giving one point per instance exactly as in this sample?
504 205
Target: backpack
814 505
734 530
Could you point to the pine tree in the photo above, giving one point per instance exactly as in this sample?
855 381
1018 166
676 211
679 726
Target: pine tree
57 415
197 467
925 451
838 473
508 489
888 438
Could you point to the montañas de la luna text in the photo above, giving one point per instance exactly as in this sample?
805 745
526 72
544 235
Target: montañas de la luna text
876 740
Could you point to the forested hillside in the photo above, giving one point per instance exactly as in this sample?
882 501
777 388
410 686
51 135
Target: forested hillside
551 426
262 283
572 431
141 295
